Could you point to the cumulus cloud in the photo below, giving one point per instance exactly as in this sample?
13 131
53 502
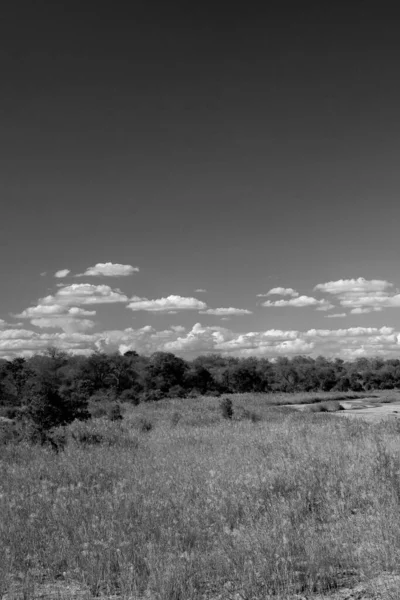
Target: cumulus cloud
84 293
336 316
62 273
200 291
168 304
300 302
353 286
63 311
280 291
109 270
222 312
67 324
362 296
364 311
347 342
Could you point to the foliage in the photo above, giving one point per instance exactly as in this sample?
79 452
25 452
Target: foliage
226 408
61 380
299 504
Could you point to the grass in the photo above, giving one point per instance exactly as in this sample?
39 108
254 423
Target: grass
197 506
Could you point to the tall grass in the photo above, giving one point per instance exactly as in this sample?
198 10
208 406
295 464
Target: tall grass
295 503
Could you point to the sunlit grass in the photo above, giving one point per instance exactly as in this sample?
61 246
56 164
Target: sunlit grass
199 506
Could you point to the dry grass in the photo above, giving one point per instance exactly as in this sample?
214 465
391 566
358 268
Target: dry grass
198 507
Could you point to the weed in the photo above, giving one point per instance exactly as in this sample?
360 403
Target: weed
226 408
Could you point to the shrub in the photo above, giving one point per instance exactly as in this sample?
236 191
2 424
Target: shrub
131 396
251 415
48 407
10 412
176 417
176 391
114 412
332 406
144 425
226 408
212 394
194 393
151 396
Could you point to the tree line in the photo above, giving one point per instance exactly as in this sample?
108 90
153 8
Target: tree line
133 378
55 388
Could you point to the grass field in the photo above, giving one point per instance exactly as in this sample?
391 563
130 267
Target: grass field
177 503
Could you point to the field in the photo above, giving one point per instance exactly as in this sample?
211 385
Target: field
177 503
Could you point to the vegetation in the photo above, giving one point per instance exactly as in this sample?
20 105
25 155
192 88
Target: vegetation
54 388
195 507
163 488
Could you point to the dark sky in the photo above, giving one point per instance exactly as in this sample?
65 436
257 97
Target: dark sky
214 147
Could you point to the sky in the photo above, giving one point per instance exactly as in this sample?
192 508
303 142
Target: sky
212 179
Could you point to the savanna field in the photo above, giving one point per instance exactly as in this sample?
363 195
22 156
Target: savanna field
178 501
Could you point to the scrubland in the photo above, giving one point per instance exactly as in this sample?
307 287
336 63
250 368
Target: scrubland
175 502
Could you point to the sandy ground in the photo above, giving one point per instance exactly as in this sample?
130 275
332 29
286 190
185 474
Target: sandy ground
371 409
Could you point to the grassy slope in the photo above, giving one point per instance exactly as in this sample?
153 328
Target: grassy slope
199 506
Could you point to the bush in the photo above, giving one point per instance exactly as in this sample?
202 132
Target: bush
332 406
99 432
151 396
251 415
103 396
114 412
176 417
144 425
212 394
226 408
10 412
47 407
194 393
176 391
130 396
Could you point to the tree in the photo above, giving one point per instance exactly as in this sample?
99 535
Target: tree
48 405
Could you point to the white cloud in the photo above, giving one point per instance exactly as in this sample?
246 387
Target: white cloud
67 324
347 343
300 302
353 286
336 316
364 311
109 270
85 293
171 303
201 291
62 273
226 311
45 310
362 296
280 291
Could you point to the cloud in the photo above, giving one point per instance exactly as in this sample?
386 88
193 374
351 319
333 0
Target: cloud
84 293
109 270
68 324
62 273
348 343
201 291
226 311
354 286
336 316
363 311
168 304
280 291
57 316
62 310
300 302
362 296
